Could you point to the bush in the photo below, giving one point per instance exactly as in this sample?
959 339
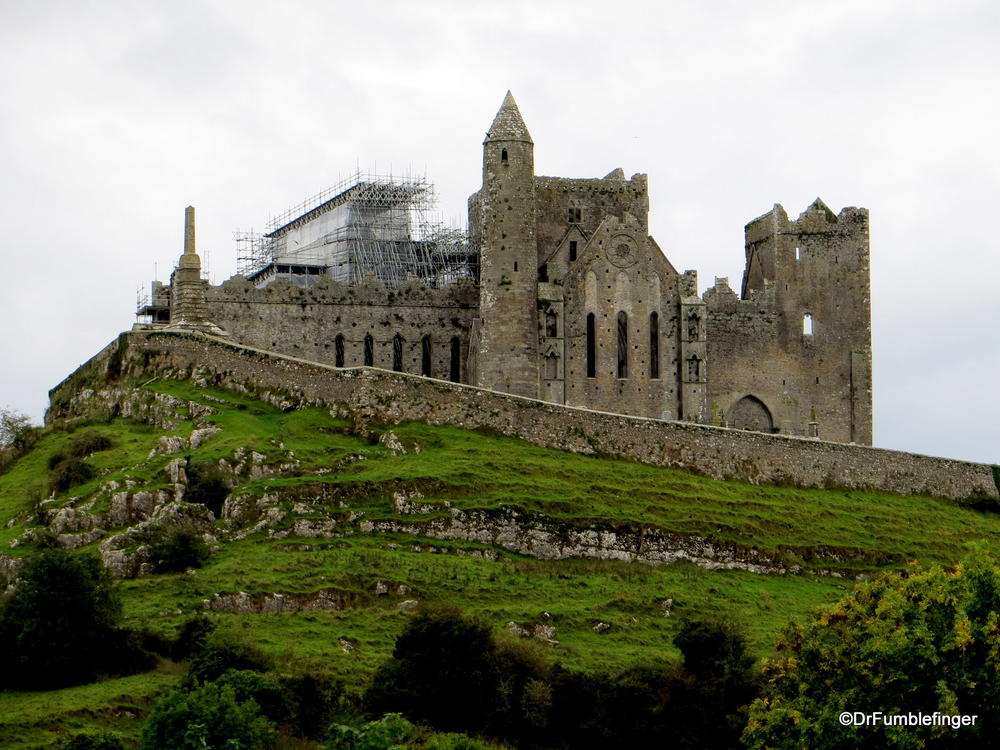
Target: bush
918 642
443 672
207 486
265 691
60 626
191 637
177 551
69 472
385 734
88 443
210 717
219 653
453 741
314 699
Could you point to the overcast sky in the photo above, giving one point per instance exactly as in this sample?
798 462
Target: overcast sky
116 115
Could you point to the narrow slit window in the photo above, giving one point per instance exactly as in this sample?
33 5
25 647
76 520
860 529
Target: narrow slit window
694 368
369 350
397 353
454 367
551 324
425 356
503 156
798 253
654 345
338 349
572 250
591 347
807 324
622 344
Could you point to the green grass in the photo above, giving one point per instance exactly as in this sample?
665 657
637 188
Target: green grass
855 532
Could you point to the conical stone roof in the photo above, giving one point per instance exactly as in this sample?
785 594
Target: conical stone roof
508 125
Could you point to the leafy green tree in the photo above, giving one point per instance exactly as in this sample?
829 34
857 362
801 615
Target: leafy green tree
443 672
105 741
60 626
921 641
218 653
210 717
177 550
387 733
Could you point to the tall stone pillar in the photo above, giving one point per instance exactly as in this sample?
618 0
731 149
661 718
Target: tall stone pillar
187 288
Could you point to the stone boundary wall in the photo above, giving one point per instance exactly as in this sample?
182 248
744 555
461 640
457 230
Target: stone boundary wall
371 396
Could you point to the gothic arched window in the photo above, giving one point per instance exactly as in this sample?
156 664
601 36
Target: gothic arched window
591 347
425 356
369 351
654 345
622 344
397 353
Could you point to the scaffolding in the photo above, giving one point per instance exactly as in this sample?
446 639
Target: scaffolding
366 225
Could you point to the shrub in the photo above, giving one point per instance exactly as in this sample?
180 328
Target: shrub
917 642
210 717
385 734
191 637
443 672
314 699
219 653
69 472
207 486
453 741
60 625
89 442
265 691
177 551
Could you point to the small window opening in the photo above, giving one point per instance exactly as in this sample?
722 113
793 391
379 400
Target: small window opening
694 326
425 356
591 347
454 364
622 344
503 156
543 272
654 345
369 350
338 346
515 265
798 253
807 324
572 249
575 215
694 368
551 324
397 353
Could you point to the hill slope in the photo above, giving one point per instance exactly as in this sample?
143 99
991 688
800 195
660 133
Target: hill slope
328 539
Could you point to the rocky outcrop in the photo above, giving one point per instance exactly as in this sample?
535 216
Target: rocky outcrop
242 603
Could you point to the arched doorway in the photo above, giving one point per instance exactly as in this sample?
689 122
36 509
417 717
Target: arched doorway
749 413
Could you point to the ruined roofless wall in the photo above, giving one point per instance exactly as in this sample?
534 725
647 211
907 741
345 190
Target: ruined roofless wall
376 396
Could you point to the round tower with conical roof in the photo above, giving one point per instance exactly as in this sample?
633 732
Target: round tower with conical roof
508 261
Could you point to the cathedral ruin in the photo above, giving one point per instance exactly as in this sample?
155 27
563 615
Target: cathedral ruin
556 293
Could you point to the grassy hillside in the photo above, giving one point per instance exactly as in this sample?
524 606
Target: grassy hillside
311 468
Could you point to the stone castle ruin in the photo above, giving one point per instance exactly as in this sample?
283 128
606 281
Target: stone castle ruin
557 293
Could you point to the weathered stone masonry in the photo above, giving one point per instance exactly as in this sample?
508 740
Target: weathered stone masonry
369 395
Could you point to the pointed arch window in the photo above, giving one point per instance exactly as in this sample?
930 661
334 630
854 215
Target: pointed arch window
654 345
622 344
694 327
454 367
397 353
369 351
591 347
425 356
338 350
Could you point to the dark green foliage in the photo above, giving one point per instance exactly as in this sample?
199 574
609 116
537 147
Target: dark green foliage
105 741
313 700
718 685
179 550
191 637
917 643
443 672
60 626
384 734
210 717
70 472
206 486
219 653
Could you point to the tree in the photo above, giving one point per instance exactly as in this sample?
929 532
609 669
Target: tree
210 717
16 430
443 672
60 626
921 641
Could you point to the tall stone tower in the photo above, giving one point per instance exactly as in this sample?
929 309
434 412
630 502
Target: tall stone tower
502 220
187 296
